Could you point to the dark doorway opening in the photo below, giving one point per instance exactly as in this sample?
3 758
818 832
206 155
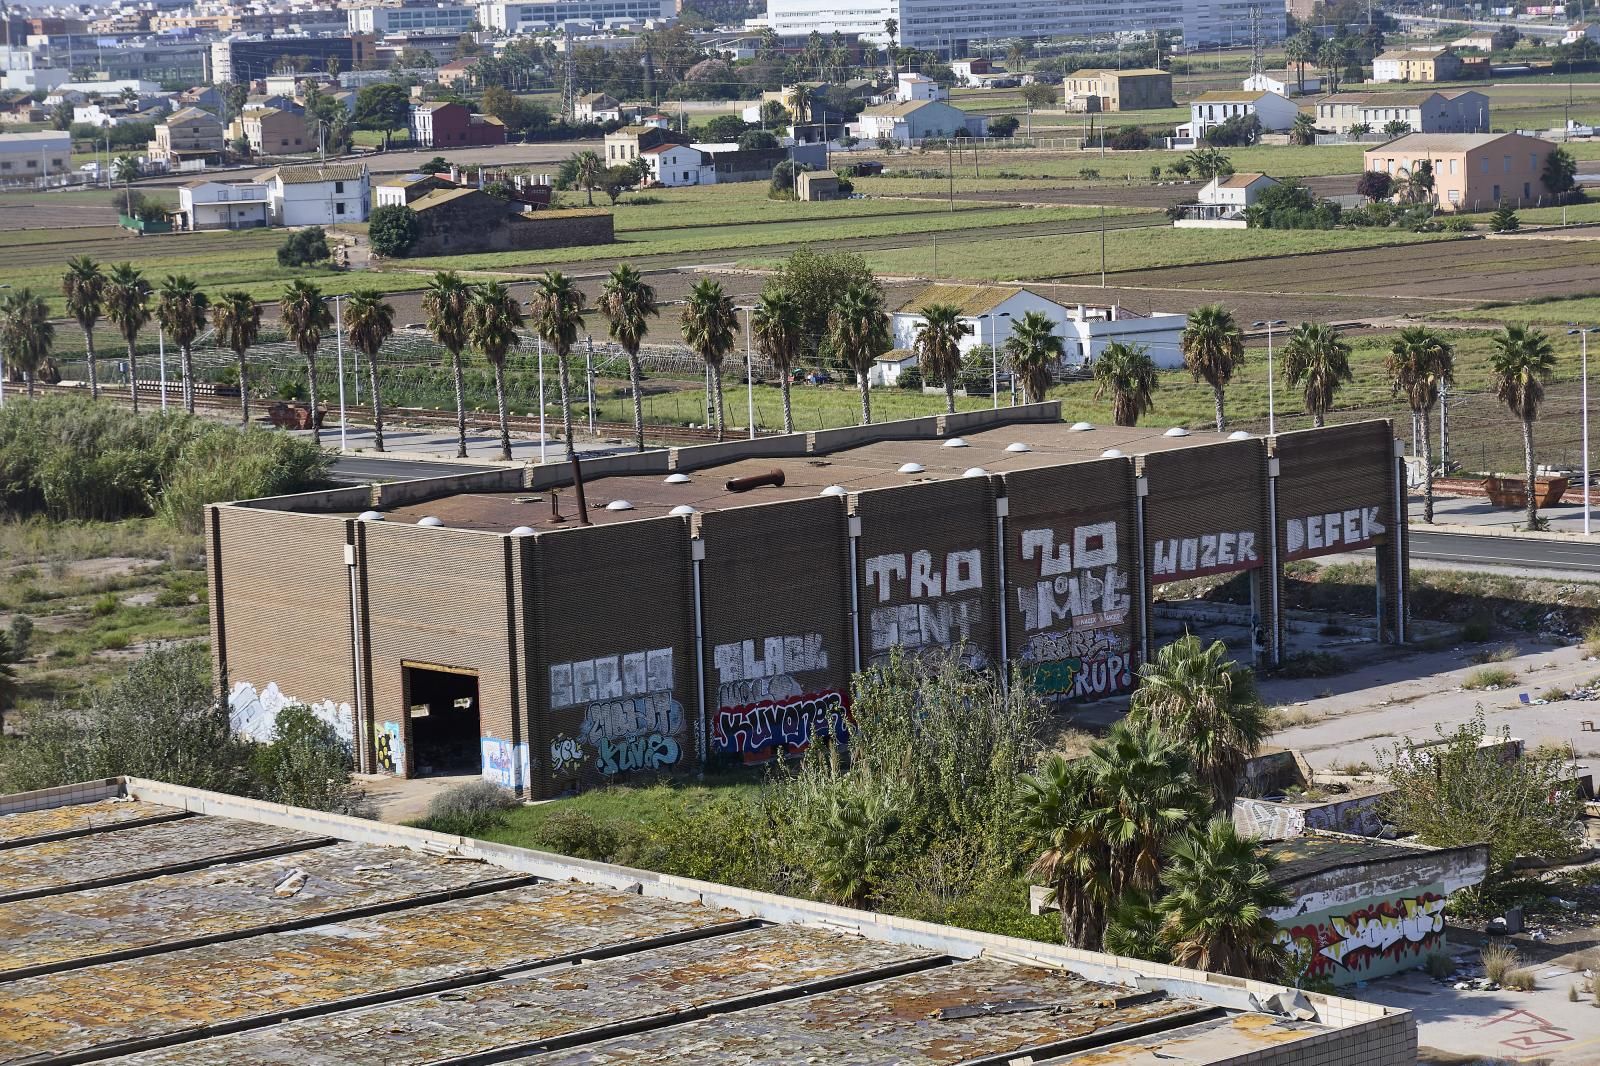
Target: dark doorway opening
445 731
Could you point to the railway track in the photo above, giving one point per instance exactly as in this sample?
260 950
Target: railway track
205 402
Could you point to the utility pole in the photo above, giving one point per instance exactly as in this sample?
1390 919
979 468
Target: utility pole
569 100
1258 62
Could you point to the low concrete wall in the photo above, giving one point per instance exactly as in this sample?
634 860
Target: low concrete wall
325 501
556 475
700 456
400 493
825 441
967 421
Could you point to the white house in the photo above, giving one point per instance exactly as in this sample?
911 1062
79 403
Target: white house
1274 111
916 120
1580 31
1223 200
29 156
674 165
319 195
990 311
1283 82
913 86
224 205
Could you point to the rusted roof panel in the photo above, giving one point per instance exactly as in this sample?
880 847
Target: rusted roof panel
186 991
553 1003
947 1015
1217 1041
78 818
140 850
229 900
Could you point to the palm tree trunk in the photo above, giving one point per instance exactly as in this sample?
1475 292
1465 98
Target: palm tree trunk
1318 419
244 391
377 401
28 377
133 375
1217 392
866 400
1427 473
635 386
311 389
716 398
88 353
1527 458
500 405
461 405
950 395
788 412
188 377
566 398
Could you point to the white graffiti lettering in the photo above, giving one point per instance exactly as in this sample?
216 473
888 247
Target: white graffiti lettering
917 625
962 571
1333 531
1179 557
779 655
610 677
253 715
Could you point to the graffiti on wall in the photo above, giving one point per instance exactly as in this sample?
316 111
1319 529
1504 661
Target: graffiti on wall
1073 595
1335 531
1177 558
505 764
389 749
252 714
1379 937
631 722
945 591
763 709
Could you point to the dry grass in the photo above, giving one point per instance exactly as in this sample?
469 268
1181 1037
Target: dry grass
1489 677
1499 960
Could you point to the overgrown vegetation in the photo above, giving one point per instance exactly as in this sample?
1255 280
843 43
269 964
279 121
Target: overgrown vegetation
74 459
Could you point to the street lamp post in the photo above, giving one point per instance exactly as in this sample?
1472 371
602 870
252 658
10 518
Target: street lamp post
161 359
2 350
1272 415
338 348
1583 334
994 358
749 372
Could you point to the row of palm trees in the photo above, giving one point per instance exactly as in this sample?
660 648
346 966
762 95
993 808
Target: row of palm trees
1031 350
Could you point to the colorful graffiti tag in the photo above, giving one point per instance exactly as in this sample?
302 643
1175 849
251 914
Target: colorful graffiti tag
1380 937
763 708
769 729
504 763
1075 610
390 749
631 722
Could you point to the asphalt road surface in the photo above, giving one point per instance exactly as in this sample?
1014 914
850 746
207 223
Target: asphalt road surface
1465 550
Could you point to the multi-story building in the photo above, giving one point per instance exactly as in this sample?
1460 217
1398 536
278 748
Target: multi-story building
951 27
1444 111
1471 171
224 205
410 16
1213 108
188 135
441 124
319 195
1118 90
30 156
504 17
246 59
271 131
1416 66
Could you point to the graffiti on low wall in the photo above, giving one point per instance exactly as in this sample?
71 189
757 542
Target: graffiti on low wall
1073 595
945 591
1178 558
389 749
253 714
631 721
1336 531
506 764
763 707
1368 940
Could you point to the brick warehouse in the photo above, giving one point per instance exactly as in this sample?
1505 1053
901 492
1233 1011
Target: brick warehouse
449 625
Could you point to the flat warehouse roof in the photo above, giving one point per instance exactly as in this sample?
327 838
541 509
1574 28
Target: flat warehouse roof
362 942
868 466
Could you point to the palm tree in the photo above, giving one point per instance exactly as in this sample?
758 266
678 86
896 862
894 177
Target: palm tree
445 301
1143 797
1304 130
1074 858
558 315
26 333
799 104
1218 905
1213 348
590 167
1300 50
1208 705
1317 359
778 325
305 318
1522 362
1421 361
236 316
181 310
1128 374
859 331
938 348
710 324
891 30
628 302
492 321
127 305
125 168
84 286
1032 349
369 321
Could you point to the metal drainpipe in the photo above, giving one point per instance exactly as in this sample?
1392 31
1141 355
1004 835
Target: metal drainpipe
363 748
1141 490
1272 555
1400 519
855 594
1002 508
697 552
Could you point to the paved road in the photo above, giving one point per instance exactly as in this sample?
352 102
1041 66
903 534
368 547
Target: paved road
1465 550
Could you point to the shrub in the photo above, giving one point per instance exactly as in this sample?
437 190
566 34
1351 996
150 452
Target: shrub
1458 225
1490 677
469 810
304 247
1498 961
393 230
307 765
1439 965
21 636
105 606
1004 126
578 834
1480 627
1130 139
1521 980
756 140
1504 220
